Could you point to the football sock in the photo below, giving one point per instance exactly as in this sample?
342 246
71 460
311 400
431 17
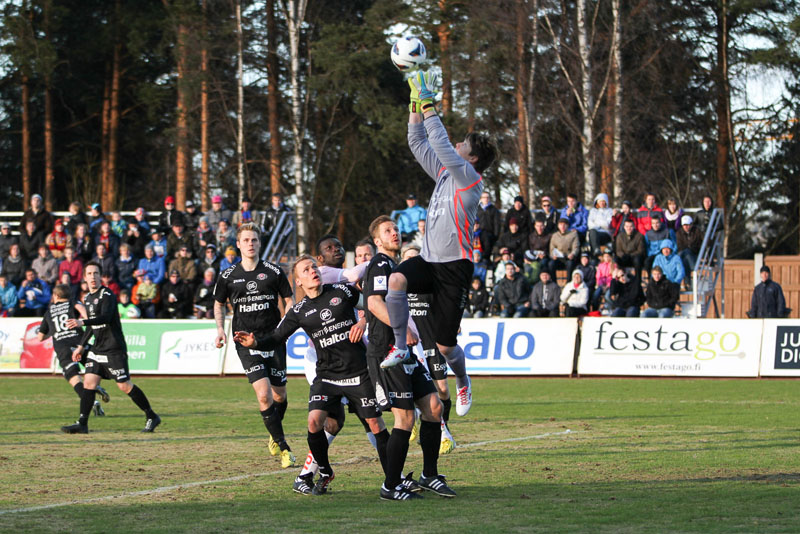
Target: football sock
273 423
311 465
318 444
396 452
78 389
87 401
280 408
381 440
446 405
397 306
457 362
430 434
140 399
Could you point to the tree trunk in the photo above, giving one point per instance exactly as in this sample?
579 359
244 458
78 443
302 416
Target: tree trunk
721 109
204 193
239 104
272 101
26 142
443 32
49 171
587 133
616 81
112 191
530 105
607 160
520 92
104 128
182 127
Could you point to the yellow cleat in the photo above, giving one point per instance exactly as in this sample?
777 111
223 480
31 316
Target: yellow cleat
446 446
287 459
274 448
414 432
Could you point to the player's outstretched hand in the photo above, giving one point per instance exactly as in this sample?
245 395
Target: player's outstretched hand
357 331
425 85
245 339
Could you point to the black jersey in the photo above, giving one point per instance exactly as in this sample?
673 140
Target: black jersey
253 295
327 320
376 282
103 322
54 323
419 307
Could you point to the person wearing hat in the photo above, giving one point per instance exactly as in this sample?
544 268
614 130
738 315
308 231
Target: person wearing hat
514 239
158 242
564 247
230 259
689 239
210 259
6 240
619 217
589 272
575 296
185 266
545 297
671 265
190 216
176 297
58 239
522 214
217 212
178 237
152 265
407 218
549 214
531 268
96 216
767 301
169 216
42 219
244 214
599 224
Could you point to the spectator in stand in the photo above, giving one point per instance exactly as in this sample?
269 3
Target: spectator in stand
6 240
564 248
515 240
96 216
118 224
577 216
539 243
46 266
203 235
176 298
82 243
407 218
478 303
626 294
14 266
29 241
767 301
135 238
110 283
575 296
629 248
145 295
662 295
244 214
41 218
599 224
169 216
141 219
479 266
364 251
226 237
191 217
670 263
105 260
73 266
204 295
531 268
419 236
217 212
185 266
689 240
646 213
672 215
618 218
125 266
104 236
126 308
703 215
229 260
589 272
8 297
159 243
210 259
152 265
177 239
33 295
273 213
657 233
76 216
511 293
522 214
545 297
84 291
488 216
550 215
58 239
603 277
500 265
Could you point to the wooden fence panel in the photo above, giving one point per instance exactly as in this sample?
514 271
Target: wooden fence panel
739 277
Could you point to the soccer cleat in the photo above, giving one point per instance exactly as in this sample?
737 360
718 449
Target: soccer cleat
447 445
77 428
274 448
303 484
321 487
437 485
414 432
398 494
151 423
104 396
396 356
288 459
464 399
409 484
98 410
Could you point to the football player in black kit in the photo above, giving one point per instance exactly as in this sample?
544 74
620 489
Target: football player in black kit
108 357
327 315
254 289
54 323
403 386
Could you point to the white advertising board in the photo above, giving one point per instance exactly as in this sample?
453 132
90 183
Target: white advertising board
780 348
670 347
20 348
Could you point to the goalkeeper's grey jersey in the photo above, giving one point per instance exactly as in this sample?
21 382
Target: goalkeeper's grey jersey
454 203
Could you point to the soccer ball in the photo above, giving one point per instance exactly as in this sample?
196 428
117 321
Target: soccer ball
408 53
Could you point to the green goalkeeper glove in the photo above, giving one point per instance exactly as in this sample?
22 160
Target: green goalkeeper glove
423 91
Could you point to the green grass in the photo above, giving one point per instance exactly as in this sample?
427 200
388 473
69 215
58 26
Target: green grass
642 456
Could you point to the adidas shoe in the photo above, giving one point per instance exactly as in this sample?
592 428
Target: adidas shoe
409 484
274 448
287 459
321 487
396 356
437 485
97 409
303 484
151 423
398 494
104 396
77 428
464 399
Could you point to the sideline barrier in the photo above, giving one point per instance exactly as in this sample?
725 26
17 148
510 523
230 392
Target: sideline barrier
20 348
780 348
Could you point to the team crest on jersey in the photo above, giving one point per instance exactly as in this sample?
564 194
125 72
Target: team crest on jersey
412 295
325 314
380 283
252 286
94 302
261 276
335 301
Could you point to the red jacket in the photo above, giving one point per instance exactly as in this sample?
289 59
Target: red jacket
643 216
74 268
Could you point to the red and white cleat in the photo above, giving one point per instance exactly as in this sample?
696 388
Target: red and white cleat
464 399
396 356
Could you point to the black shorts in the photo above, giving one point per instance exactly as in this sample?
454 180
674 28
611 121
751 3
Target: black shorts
68 367
401 385
437 365
449 284
326 394
111 365
264 364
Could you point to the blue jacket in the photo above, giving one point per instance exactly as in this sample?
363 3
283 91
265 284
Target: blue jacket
578 220
8 297
225 264
407 219
40 296
654 240
154 268
672 265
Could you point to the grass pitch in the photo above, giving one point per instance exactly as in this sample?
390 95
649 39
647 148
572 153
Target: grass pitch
640 456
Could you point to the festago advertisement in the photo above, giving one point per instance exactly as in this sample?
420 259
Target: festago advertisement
780 348
20 348
295 352
172 347
670 347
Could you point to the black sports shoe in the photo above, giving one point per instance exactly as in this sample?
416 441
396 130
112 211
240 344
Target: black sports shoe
152 423
437 485
77 428
98 410
303 484
103 394
409 484
398 494
321 487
